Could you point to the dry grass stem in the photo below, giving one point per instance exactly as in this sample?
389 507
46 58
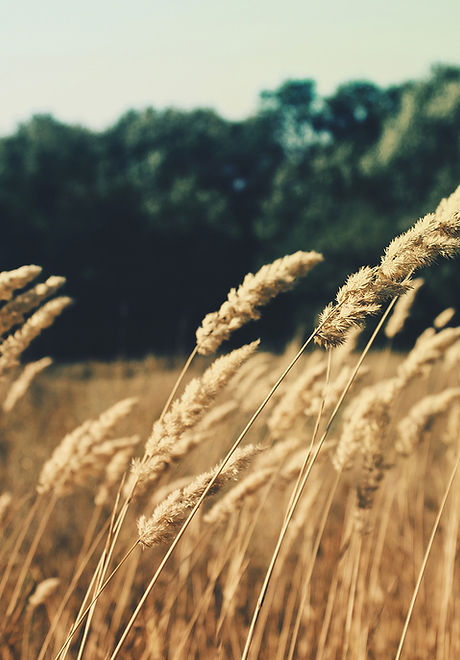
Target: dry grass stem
172 512
335 547
81 452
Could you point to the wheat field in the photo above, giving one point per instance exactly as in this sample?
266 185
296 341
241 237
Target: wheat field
250 505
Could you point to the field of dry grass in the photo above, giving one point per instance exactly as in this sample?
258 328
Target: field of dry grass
303 505
182 618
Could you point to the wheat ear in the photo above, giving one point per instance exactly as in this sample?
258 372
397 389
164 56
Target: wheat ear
15 344
435 235
11 280
20 386
171 513
14 312
242 304
75 458
410 428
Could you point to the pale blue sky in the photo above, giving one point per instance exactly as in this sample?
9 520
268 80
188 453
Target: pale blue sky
87 61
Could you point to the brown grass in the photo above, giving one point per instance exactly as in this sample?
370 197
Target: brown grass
366 562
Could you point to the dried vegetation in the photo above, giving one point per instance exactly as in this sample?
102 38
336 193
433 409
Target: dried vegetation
339 538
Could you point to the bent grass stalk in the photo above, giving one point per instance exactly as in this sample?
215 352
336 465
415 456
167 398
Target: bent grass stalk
81 618
301 486
287 264
207 489
178 382
116 528
426 557
101 568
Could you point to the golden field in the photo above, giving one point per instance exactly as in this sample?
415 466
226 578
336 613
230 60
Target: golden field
353 586
244 505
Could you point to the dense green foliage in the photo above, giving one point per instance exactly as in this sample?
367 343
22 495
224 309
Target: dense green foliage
155 218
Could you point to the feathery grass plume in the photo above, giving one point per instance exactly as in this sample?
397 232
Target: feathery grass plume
114 471
94 462
14 312
292 405
146 473
326 397
43 592
443 318
411 428
11 280
205 430
20 386
373 439
364 422
236 498
428 348
260 363
366 417
452 356
76 456
271 462
187 411
402 309
162 492
172 512
277 454
248 380
5 501
363 294
256 290
435 235
14 345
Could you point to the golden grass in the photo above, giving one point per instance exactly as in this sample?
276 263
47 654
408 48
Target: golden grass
206 595
341 541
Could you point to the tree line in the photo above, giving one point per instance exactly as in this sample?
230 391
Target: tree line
153 219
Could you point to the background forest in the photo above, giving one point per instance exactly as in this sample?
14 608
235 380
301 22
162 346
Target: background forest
152 220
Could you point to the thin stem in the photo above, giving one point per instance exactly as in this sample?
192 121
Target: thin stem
206 491
101 589
81 567
352 595
425 559
306 584
30 555
178 381
116 525
298 491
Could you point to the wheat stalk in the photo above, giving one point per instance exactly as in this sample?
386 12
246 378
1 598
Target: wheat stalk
242 304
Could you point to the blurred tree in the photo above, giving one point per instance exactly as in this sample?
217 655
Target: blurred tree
294 110
154 219
355 113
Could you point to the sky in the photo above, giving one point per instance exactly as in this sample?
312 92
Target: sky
89 61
